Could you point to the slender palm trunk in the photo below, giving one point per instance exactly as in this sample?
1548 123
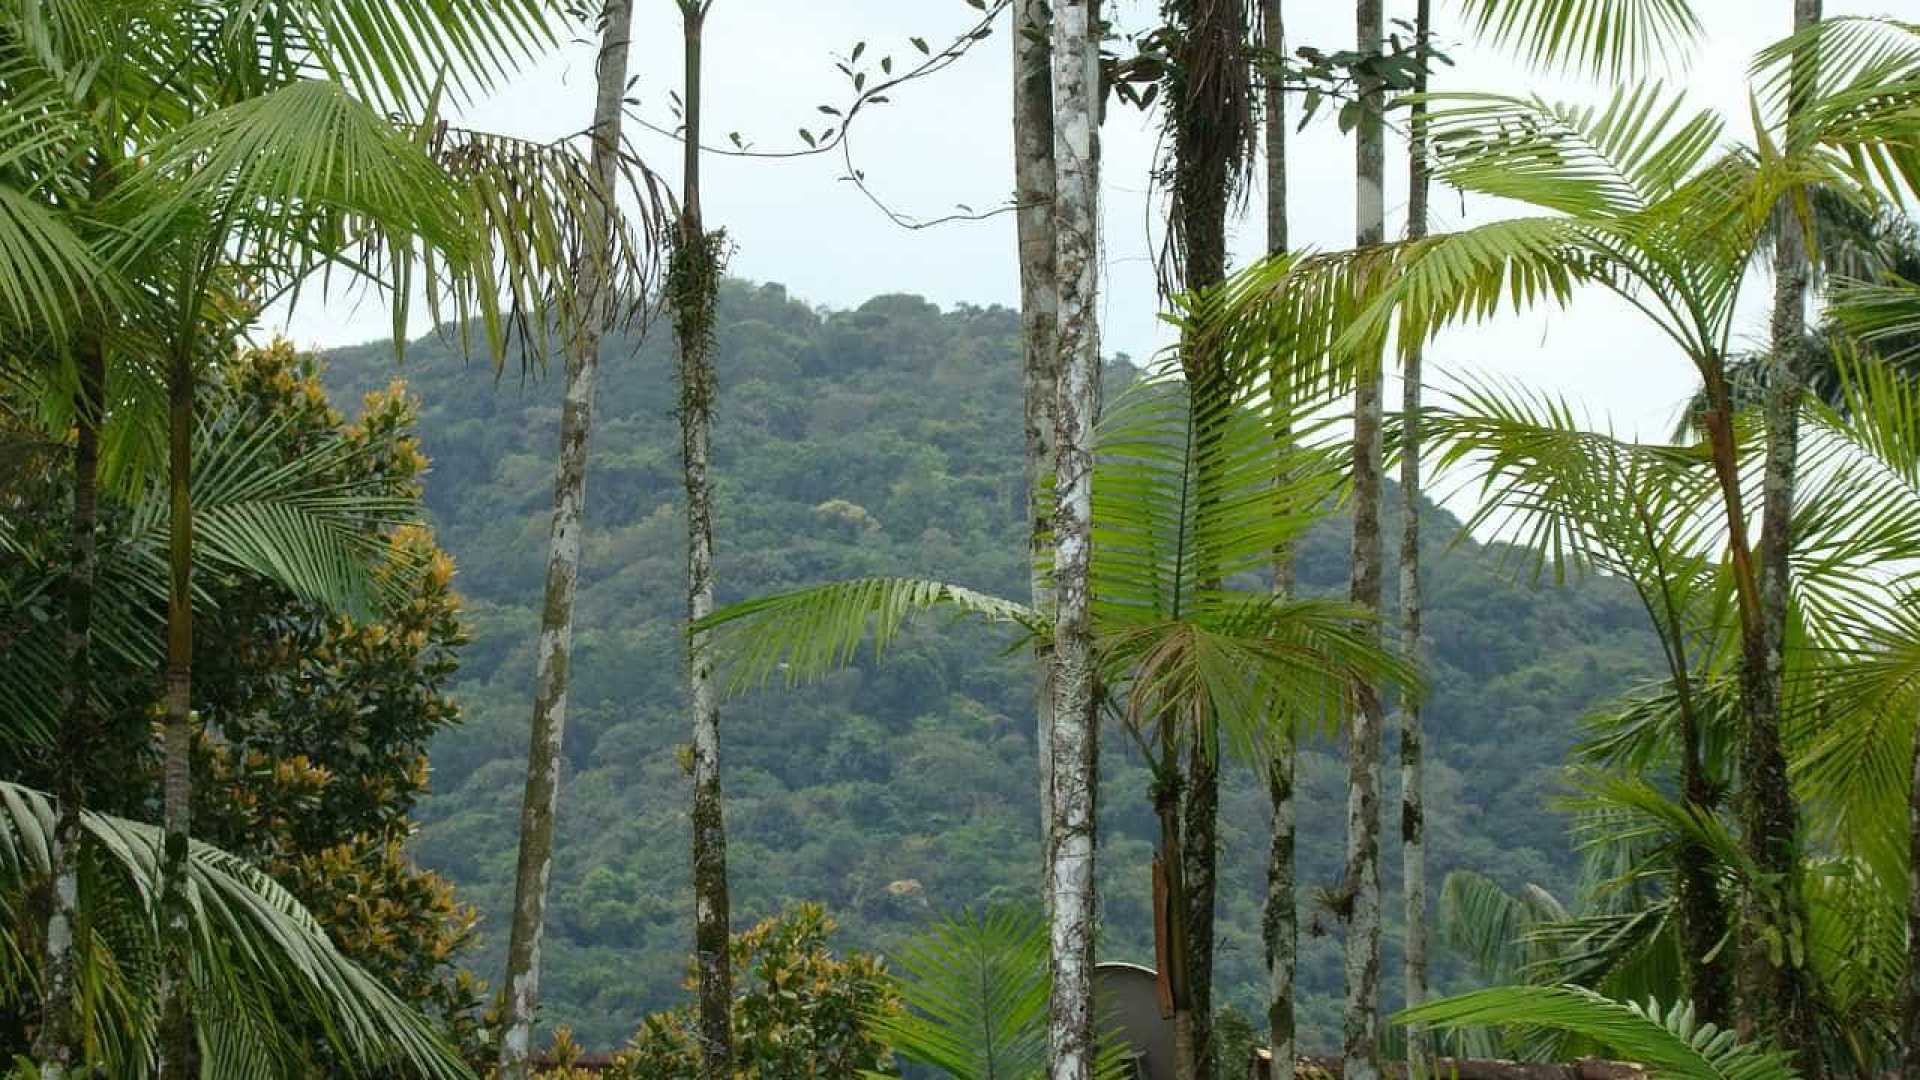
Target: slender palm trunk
554 661
1209 120
1360 888
59 1044
1413 809
178 1052
1175 951
694 284
1788 1010
1279 924
1702 912
1774 996
1039 313
1070 832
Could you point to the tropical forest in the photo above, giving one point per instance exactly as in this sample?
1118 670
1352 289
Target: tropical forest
960 540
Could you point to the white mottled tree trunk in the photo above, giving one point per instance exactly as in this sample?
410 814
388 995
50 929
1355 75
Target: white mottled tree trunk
1360 889
1280 929
693 285
1070 834
1413 811
1039 315
554 653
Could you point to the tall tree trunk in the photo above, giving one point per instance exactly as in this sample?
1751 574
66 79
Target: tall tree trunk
1039 313
1209 111
178 1050
1070 833
555 656
1775 996
1360 889
1279 924
693 287
1413 810
1169 866
1702 912
60 1044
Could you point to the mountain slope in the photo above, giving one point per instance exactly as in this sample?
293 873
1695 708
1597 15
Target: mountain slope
885 440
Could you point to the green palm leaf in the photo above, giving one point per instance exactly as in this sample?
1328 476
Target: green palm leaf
975 988
1668 1041
292 521
1493 928
399 53
807 633
256 951
1615 160
1601 37
48 274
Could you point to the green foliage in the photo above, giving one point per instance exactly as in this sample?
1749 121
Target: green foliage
975 989
891 790
264 968
314 725
799 1011
973 1000
1600 36
1667 1041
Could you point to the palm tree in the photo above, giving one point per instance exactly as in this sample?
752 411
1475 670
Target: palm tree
286 522
1584 502
555 652
1210 119
265 968
1413 810
1279 923
693 284
220 177
1638 201
1767 989
1171 653
1648 514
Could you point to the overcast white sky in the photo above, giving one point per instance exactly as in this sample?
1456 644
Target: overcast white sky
947 141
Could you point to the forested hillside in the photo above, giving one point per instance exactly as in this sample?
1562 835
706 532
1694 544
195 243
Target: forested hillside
885 440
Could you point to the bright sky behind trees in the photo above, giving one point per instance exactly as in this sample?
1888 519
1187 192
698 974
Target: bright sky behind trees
946 141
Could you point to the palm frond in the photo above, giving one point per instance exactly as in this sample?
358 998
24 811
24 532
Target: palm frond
975 987
295 178
1668 1041
1860 78
1881 314
1492 928
313 523
1249 664
1600 37
398 53
807 633
1183 502
1579 160
534 206
254 946
48 274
